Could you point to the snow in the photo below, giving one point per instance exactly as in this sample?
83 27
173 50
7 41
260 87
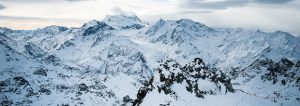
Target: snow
115 60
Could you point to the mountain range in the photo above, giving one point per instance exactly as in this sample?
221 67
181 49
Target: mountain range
121 60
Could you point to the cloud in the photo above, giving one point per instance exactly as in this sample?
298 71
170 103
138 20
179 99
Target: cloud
30 0
79 0
18 18
20 22
118 11
220 5
20 1
272 1
212 5
193 11
2 7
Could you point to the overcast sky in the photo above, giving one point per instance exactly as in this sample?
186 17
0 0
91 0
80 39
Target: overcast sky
268 15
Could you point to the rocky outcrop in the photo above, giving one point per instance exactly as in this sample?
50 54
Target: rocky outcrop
191 75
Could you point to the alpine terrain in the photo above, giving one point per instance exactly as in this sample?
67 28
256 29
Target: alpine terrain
123 61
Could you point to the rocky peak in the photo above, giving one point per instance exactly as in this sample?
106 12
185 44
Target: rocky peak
176 31
5 30
123 21
54 28
95 26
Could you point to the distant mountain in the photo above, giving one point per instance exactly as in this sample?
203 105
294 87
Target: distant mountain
122 60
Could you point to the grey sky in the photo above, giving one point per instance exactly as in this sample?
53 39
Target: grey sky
272 1
1 7
78 0
268 15
202 4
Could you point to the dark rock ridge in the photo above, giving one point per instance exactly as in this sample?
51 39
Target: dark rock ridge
188 75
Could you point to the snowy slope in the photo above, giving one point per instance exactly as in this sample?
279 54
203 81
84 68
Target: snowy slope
121 60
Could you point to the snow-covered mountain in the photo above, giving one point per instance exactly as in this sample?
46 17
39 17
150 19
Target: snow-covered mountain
121 60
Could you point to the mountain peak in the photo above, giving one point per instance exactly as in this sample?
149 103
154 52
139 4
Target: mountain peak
91 23
282 33
123 21
121 17
54 28
5 30
190 23
95 26
176 31
185 21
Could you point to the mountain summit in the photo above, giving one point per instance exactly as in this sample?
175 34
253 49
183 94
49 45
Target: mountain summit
123 21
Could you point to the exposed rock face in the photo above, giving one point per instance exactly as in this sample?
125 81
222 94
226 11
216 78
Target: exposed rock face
98 28
191 75
41 71
281 78
16 87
